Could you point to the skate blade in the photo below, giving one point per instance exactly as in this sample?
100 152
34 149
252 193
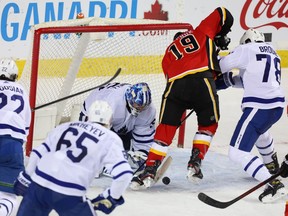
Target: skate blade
192 177
270 199
136 186
148 182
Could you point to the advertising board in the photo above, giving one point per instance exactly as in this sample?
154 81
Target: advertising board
18 16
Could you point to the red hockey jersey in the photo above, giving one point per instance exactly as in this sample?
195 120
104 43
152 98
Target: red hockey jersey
194 51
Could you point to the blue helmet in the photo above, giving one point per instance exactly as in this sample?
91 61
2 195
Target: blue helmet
138 97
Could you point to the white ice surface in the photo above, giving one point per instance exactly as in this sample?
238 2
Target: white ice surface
223 180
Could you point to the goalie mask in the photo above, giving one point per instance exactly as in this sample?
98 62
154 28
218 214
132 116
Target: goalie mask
8 69
252 35
100 112
138 97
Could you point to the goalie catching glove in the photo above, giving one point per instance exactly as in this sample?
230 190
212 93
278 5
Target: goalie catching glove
106 203
22 183
224 80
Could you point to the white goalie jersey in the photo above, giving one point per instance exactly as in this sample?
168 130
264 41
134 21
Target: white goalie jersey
15 112
74 153
260 74
142 126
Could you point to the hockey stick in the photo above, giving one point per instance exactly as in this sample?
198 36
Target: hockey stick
159 174
139 168
191 111
163 168
78 93
218 204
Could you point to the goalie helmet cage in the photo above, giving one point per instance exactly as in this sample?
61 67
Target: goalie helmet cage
67 57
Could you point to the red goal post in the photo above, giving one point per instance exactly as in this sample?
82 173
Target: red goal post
71 56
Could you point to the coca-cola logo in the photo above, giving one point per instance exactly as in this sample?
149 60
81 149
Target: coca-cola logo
269 12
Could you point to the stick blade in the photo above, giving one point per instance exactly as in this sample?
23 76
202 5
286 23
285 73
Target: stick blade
163 168
212 202
218 204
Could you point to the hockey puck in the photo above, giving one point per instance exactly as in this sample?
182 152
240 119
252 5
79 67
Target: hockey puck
166 180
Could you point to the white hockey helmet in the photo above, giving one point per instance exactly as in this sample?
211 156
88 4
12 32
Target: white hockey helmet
100 112
252 35
8 69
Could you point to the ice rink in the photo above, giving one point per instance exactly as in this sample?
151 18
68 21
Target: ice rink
223 180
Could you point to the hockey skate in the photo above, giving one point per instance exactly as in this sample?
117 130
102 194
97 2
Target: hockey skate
273 191
146 178
194 172
273 167
105 172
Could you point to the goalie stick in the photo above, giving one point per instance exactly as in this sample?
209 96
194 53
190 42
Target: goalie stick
218 204
163 168
78 93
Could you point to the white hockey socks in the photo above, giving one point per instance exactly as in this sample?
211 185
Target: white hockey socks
265 146
251 164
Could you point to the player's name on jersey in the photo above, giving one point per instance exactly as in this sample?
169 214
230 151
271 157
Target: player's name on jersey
267 49
11 88
88 127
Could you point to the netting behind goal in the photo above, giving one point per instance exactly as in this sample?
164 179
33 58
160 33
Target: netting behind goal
68 57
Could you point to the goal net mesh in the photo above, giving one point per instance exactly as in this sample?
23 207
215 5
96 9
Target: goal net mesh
68 57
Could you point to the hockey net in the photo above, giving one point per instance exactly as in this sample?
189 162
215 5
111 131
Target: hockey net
71 56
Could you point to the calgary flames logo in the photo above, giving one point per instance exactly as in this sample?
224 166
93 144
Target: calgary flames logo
274 11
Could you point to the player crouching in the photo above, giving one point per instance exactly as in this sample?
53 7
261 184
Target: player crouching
64 165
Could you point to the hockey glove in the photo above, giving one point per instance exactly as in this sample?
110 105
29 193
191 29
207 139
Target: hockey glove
22 183
284 167
222 41
224 80
106 203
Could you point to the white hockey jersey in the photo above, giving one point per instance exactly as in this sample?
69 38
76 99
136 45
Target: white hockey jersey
74 153
260 73
15 111
142 126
